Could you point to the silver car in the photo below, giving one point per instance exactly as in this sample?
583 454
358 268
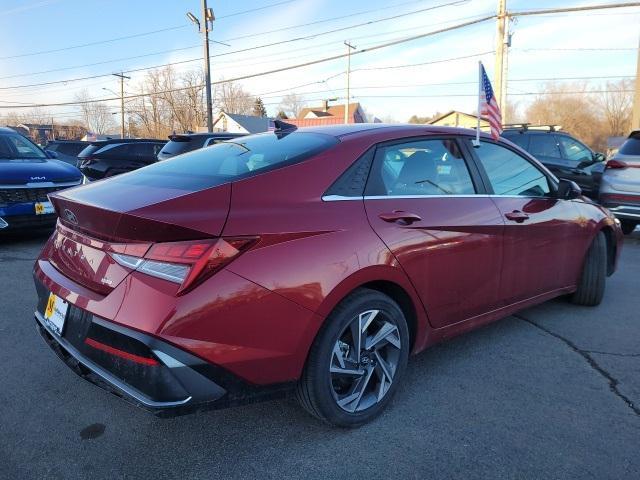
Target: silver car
620 184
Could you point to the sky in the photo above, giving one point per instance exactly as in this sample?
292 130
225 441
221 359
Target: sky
62 40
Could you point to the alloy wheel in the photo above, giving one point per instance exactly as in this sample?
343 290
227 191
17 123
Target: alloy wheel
364 361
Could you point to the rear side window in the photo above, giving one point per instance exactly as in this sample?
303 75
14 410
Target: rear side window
420 167
232 160
631 146
544 145
511 174
519 139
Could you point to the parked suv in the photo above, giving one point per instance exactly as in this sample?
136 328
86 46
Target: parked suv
620 187
561 153
27 176
112 157
66 150
188 142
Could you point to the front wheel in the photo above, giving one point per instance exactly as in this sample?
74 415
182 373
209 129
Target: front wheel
594 272
357 360
628 226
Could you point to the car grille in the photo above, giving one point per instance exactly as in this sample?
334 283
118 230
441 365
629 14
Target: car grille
26 195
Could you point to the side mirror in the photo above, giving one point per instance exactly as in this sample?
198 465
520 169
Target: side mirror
51 154
599 157
568 190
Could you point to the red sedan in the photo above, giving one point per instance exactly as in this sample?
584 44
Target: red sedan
314 259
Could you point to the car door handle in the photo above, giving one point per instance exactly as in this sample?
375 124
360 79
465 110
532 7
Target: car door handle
400 216
516 216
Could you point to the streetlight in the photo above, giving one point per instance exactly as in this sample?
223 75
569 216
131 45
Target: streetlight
208 17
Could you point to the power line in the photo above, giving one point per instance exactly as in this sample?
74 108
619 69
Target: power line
291 67
255 47
136 35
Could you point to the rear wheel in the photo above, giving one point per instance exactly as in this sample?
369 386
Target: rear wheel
628 226
357 360
594 271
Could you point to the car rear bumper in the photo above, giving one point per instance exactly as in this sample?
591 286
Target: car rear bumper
147 372
623 206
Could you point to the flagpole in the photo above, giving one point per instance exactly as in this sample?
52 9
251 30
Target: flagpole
476 142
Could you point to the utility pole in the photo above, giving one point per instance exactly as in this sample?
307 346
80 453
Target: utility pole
346 102
500 75
122 76
635 118
208 18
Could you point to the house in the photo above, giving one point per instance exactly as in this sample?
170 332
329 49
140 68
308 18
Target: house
235 123
328 115
458 119
41 133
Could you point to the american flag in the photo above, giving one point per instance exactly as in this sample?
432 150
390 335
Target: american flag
488 105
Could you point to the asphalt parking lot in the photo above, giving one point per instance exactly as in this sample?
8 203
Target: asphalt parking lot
553 392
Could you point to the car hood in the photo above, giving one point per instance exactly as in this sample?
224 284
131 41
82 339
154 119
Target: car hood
19 172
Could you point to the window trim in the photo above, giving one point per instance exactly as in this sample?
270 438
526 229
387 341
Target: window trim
472 168
553 181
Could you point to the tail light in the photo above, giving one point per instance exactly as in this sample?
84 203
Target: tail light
616 164
186 263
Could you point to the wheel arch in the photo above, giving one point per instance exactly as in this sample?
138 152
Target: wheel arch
394 283
612 247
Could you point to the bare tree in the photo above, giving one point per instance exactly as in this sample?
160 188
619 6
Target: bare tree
577 113
292 104
232 98
33 115
96 115
616 103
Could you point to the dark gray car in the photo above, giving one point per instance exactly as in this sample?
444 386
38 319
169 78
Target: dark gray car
187 142
561 153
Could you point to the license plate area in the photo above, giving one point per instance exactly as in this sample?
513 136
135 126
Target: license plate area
55 313
43 208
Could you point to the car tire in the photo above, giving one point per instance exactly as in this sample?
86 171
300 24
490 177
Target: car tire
628 226
594 271
326 390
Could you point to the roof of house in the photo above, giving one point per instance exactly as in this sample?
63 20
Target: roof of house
452 112
250 123
332 111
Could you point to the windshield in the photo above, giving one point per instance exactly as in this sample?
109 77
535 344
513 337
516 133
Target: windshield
227 161
16 147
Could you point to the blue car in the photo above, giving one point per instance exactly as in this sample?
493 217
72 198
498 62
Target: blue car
27 175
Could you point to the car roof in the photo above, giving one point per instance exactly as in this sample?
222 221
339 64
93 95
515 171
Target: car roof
399 129
5 130
126 140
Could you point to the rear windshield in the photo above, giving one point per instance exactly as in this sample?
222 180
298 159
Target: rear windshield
231 160
183 145
90 150
631 146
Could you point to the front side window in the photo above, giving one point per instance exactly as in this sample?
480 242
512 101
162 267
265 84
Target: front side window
574 151
544 145
511 174
420 167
